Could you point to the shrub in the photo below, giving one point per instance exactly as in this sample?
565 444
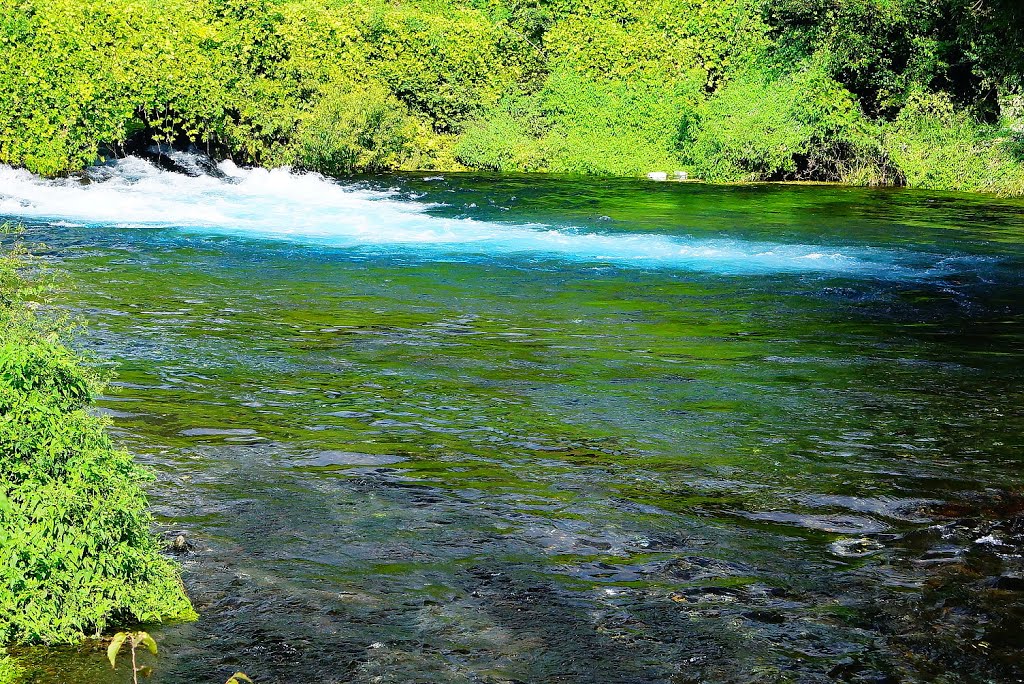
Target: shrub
937 146
446 63
576 124
801 125
763 89
503 141
614 128
76 551
77 73
661 42
354 131
8 670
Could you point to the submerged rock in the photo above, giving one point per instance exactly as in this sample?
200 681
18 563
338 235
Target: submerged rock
855 548
1009 582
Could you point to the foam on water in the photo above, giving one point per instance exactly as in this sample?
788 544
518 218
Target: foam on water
308 208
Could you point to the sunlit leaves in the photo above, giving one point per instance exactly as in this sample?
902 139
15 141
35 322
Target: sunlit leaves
578 86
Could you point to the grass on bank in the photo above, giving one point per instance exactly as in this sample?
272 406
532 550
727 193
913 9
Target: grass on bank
77 554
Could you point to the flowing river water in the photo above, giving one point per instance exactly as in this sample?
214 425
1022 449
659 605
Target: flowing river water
470 428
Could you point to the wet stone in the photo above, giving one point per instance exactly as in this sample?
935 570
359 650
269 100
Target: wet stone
766 616
178 543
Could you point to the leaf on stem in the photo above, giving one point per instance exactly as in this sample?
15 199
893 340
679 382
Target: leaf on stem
147 641
115 646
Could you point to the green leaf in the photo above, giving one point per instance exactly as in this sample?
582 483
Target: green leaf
147 641
115 647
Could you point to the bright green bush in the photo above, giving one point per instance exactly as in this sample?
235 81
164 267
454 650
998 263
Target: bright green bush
883 51
446 64
578 125
77 73
574 86
76 551
614 128
355 131
657 41
8 670
875 48
800 125
937 146
509 138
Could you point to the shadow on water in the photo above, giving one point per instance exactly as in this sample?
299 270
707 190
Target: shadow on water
394 464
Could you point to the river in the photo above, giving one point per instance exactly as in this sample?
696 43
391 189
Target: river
471 428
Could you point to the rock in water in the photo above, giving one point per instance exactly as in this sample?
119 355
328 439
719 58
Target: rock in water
179 544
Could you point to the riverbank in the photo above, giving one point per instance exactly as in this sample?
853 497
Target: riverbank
868 93
77 556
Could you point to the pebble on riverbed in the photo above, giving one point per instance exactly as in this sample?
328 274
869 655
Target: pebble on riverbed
855 548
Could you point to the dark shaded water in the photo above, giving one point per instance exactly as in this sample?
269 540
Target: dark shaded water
607 431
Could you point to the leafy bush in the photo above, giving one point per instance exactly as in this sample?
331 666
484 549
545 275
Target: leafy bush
619 128
447 63
760 89
885 50
656 41
367 130
937 146
8 670
78 73
802 125
578 125
76 552
505 140
875 48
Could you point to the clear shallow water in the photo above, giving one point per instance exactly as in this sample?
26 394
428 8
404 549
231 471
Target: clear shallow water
489 429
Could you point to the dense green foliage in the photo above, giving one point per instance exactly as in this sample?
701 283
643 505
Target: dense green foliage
923 92
76 551
8 670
